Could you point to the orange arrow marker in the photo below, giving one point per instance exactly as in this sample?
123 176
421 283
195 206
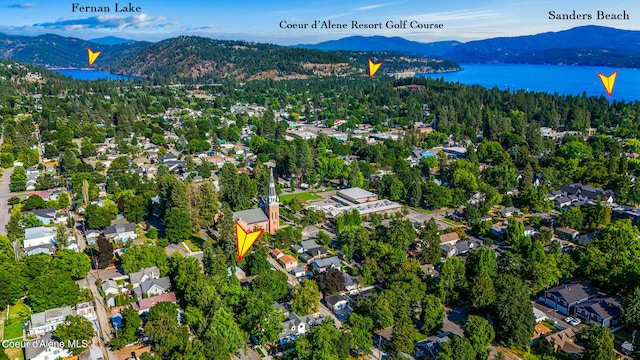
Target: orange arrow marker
373 68
93 56
608 81
245 240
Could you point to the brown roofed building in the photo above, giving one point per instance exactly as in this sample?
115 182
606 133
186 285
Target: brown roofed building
450 238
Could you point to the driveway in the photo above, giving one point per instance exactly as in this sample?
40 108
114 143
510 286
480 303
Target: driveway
5 194
454 319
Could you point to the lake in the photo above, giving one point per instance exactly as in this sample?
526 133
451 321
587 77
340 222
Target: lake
565 80
85 74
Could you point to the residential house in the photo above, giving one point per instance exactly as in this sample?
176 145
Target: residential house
86 310
45 348
587 192
567 233
144 274
323 264
563 343
510 211
47 321
562 202
586 239
276 253
121 232
605 311
449 238
111 290
382 337
39 236
529 231
91 236
295 325
317 253
299 272
239 273
351 283
47 216
539 315
143 305
336 302
93 354
564 298
48 249
430 347
288 262
153 287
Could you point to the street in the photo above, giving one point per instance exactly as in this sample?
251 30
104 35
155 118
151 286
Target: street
5 194
420 217
103 317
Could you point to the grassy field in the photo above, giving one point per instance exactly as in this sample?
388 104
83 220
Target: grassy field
19 309
13 331
15 353
306 196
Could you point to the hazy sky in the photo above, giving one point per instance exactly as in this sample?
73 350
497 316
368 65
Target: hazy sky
259 20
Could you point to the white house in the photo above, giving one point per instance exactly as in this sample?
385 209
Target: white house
45 348
39 236
122 232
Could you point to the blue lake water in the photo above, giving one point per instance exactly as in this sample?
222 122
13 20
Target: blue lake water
84 74
564 80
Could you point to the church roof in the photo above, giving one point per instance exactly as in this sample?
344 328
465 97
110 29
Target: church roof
251 216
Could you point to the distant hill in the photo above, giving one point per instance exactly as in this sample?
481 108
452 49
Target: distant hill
111 40
57 51
585 45
191 57
383 43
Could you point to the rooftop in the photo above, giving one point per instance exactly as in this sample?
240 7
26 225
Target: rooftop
251 216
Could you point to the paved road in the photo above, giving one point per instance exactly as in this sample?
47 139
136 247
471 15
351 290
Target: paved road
5 194
103 319
420 217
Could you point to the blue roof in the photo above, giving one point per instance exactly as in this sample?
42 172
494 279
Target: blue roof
116 320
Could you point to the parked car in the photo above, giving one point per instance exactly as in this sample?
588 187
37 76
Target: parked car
572 321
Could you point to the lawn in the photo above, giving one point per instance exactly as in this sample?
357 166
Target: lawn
13 331
19 309
196 243
306 196
15 353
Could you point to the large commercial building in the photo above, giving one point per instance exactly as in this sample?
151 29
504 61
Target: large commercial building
359 199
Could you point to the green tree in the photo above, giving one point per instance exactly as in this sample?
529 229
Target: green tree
272 285
77 265
306 298
482 261
18 179
452 280
179 226
598 342
631 309
165 334
513 318
75 328
404 334
458 348
360 328
571 218
99 217
52 289
143 256
428 235
224 332
432 315
480 334
260 318
482 292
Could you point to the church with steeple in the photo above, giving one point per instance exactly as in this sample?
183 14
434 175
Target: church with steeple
266 217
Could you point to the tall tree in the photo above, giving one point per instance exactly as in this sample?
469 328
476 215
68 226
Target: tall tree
480 334
514 320
432 315
404 334
75 328
306 297
598 342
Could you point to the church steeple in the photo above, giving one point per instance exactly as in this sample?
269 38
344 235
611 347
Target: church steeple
273 196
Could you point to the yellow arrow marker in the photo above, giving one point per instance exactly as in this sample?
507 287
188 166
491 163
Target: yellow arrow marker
608 81
245 240
373 68
93 56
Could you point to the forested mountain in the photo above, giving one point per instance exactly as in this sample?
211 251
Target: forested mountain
383 43
398 62
56 51
111 40
585 45
202 58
